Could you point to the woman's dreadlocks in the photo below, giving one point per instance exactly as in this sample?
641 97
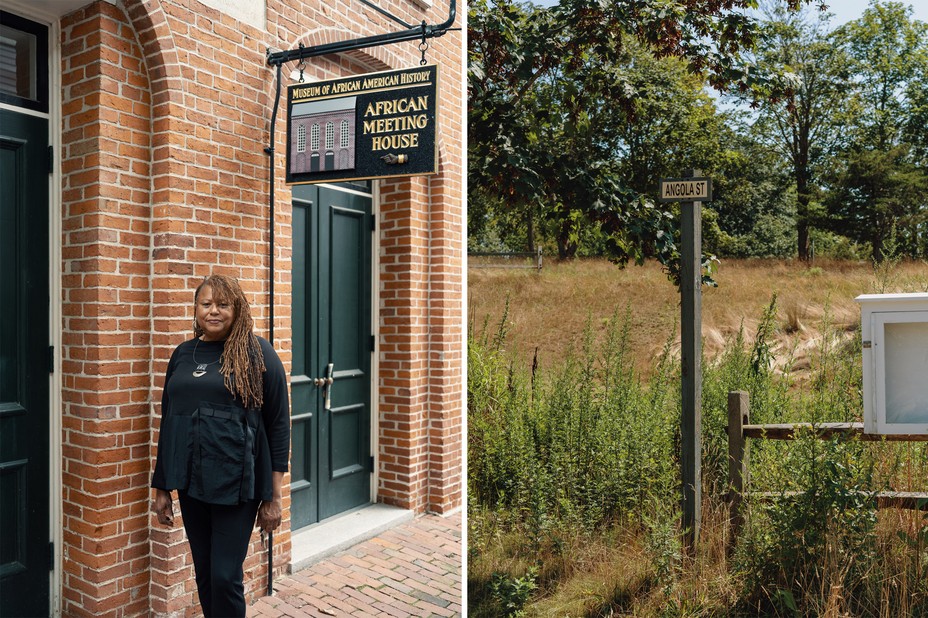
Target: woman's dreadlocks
242 359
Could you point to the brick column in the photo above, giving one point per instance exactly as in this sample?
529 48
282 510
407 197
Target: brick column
106 319
447 347
403 345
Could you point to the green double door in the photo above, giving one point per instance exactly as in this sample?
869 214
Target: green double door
25 557
332 345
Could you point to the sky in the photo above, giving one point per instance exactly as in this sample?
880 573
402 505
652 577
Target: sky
844 10
847 10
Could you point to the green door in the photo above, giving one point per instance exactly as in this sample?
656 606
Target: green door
332 345
24 366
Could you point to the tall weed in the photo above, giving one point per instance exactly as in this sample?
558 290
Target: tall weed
558 461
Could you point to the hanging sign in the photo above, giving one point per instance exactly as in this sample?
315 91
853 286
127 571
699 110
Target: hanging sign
378 125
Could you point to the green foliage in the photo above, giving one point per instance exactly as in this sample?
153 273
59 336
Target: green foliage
746 366
588 447
887 55
577 109
755 204
591 451
827 244
663 545
879 194
804 127
819 532
881 177
511 593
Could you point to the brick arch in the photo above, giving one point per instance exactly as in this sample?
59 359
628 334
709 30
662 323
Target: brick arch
157 42
106 208
156 39
375 58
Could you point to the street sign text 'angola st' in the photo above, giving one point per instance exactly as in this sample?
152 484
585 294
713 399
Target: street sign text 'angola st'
685 190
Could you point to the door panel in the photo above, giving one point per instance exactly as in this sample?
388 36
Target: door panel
347 345
304 473
331 315
24 366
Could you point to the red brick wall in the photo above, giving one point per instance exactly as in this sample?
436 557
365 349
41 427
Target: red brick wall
165 116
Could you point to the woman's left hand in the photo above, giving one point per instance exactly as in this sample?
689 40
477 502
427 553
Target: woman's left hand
269 514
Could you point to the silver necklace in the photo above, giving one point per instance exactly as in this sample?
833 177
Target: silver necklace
200 371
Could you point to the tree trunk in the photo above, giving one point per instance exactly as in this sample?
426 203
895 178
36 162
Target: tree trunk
530 226
566 250
802 236
802 214
882 228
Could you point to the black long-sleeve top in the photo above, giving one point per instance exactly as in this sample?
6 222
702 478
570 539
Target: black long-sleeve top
185 394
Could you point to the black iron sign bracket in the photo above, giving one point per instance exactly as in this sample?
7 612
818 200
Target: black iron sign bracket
410 33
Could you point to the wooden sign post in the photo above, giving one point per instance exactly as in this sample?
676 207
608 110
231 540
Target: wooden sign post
691 191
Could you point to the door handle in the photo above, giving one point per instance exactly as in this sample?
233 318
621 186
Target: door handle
326 384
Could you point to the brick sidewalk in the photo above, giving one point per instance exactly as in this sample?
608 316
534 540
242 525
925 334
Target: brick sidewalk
413 569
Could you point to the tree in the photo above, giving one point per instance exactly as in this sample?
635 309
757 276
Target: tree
672 123
879 190
880 195
518 58
914 130
805 125
752 194
887 57
609 128
505 58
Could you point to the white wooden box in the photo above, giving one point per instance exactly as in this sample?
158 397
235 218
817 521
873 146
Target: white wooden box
894 328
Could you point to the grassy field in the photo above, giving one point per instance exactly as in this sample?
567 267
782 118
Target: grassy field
549 309
573 465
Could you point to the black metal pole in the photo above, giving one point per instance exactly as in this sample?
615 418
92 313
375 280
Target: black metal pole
270 166
270 329
270 564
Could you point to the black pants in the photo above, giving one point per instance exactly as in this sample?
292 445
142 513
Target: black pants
219 536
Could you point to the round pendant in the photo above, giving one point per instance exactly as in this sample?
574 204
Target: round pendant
199 374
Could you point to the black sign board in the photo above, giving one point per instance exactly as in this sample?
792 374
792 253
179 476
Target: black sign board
378 125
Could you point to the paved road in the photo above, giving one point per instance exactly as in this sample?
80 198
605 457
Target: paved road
413 569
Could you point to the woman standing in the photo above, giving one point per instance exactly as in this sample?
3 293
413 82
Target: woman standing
224 442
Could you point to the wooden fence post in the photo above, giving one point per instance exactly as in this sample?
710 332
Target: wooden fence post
738 459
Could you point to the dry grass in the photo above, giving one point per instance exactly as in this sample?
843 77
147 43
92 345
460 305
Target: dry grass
549 309
614 574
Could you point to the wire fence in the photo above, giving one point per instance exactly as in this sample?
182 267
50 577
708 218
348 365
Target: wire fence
503 259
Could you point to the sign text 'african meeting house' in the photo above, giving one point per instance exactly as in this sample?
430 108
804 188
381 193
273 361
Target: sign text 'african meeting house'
378 125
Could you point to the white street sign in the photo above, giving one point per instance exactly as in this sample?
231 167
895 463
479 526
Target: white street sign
686 190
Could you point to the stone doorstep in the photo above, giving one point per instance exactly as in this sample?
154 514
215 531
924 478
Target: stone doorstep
326 538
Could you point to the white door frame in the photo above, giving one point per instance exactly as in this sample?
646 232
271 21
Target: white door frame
55 492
